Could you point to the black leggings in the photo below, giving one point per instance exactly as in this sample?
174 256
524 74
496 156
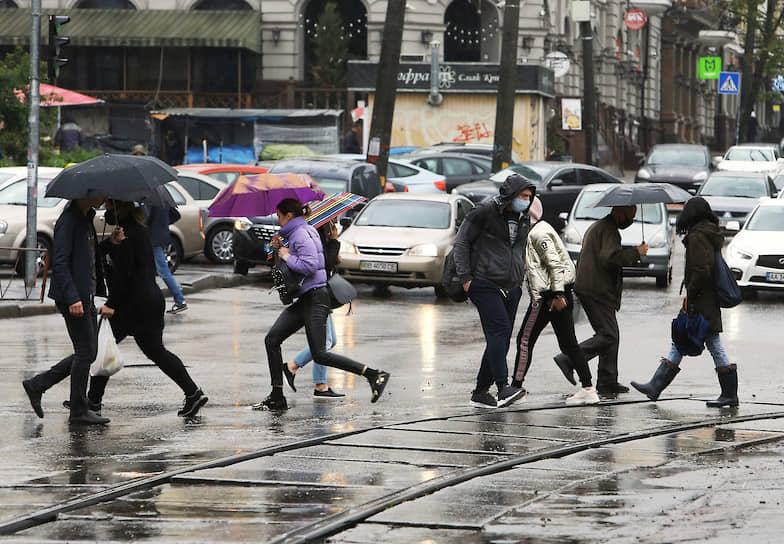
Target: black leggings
311 311
151 344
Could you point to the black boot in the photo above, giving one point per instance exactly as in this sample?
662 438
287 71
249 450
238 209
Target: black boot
728 379
660 380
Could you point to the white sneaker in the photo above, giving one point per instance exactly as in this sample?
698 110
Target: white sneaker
585 395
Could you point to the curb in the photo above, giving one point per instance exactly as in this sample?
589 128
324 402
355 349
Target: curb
201 283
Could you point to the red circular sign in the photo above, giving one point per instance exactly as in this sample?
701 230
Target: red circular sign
635 19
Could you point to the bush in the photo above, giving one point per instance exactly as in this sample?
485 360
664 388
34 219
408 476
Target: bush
48 157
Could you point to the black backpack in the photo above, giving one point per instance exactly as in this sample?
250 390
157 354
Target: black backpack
451 281
727 290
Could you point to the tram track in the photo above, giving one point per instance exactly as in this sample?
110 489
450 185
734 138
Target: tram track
349 517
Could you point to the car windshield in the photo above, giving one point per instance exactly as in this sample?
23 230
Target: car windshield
647 213
745 187
5 177
16 194
677 156
767 218
330 185
749 154
419 214
535 173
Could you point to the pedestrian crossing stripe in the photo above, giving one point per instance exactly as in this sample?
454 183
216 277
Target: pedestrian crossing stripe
729 86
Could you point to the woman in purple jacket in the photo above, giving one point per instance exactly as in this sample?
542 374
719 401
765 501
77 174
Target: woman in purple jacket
305 256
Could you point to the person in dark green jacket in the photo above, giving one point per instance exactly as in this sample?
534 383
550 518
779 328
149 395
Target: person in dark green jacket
598 285
703 239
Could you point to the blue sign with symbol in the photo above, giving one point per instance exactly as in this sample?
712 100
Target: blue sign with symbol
729 82
778 84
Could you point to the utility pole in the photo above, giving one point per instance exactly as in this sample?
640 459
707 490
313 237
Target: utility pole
507 83
386 87
581 12
32 148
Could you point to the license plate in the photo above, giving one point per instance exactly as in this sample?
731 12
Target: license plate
776 276
377 266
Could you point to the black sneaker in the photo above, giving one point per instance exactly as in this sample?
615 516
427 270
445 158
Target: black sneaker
329 394
35 397
378 384
88 418
272 403
565 364
611 388
177 308
289 376
193 403
94 407
483 399
508 395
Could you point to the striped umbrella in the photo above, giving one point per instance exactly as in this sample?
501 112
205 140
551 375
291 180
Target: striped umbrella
331 207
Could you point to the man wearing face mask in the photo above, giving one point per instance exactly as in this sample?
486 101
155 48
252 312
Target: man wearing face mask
489 256
598 285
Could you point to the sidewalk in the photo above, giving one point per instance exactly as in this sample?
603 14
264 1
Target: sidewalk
191 277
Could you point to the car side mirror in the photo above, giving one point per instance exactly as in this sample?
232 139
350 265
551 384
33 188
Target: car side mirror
691 191
563 216
642 161
345 222
673 221
557 182
733 226
717 159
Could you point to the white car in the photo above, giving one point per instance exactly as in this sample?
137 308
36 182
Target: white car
752 158
651 224
756 253
404 176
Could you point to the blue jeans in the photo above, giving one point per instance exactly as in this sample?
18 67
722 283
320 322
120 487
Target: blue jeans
713 343
165 274
304 357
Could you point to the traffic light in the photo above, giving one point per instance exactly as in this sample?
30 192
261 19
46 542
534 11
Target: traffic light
55 45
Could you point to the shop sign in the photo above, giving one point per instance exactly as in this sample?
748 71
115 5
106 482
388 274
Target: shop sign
635 19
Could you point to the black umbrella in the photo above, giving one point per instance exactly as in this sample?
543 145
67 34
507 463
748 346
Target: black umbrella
629 194
133 178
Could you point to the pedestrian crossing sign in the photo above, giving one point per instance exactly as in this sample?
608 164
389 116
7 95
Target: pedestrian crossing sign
729 82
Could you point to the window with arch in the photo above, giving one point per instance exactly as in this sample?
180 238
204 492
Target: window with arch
463 36
222 5
8 4
104 4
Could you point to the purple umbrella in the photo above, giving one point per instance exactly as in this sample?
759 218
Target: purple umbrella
254 195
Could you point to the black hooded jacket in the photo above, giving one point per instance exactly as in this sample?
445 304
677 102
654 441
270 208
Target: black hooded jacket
483 249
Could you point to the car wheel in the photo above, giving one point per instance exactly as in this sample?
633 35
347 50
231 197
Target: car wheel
174 254
241 267
665 279
219 247
42 242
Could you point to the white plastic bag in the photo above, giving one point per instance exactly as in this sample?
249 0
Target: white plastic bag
108 361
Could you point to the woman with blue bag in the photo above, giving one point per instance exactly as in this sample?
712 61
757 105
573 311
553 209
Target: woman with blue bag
703 238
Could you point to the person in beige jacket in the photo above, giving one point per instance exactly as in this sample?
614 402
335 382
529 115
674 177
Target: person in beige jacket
551 274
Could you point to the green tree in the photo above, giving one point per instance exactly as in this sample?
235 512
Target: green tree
330 45
14 78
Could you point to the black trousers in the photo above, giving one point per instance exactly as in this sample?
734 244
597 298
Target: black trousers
536 319
604 342
311 311
83 332
151 344
497 311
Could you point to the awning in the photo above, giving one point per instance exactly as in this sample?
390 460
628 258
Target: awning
141 28
57 96
246 114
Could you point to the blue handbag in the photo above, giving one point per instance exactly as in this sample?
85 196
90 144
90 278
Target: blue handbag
689 331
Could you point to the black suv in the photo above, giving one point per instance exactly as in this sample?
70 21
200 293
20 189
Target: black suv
252 235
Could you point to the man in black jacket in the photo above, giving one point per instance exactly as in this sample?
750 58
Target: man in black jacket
77 277
489 255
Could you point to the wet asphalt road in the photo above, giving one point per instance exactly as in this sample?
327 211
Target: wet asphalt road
654 491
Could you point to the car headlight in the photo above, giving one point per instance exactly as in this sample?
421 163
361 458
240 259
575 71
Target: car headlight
658 240
739 254
424 250
644 173
242 224
699 176
346 247
3 226
572 236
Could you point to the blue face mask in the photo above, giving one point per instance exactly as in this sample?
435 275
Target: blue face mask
519 206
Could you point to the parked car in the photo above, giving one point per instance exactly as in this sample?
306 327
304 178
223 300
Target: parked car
684 165
456 168
225 173
404 176
218 231
402 239
732 195
484 150
756 253
557 185
187 239
651 221
752 158
251 235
